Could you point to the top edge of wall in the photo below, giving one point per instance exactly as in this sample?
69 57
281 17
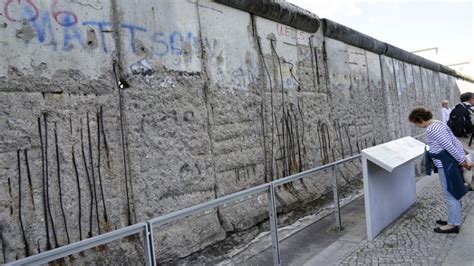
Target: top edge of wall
350 36
299 18
279 11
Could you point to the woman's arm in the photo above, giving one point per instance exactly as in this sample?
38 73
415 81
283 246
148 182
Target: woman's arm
440 134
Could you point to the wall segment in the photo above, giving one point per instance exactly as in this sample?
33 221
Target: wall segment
217 100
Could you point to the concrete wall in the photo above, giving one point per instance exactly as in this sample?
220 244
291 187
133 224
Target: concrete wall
216 101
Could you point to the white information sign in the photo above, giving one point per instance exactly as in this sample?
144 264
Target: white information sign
389 181
394 153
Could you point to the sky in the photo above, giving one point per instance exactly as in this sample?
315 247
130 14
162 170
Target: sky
410 25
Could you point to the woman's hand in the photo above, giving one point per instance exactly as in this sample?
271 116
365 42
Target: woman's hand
466 165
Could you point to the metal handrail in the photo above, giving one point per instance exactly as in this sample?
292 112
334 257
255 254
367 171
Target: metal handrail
306 173
161 220
147 227
82 245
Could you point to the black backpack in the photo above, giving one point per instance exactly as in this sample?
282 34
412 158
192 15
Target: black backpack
460 121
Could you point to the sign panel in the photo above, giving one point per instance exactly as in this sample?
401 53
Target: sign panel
389 181
394 153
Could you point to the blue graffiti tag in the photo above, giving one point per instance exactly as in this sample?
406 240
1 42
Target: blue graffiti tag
70 32
43 24
174 44
132 29
162 46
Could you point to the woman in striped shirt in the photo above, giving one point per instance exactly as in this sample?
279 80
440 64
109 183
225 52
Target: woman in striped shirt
447 154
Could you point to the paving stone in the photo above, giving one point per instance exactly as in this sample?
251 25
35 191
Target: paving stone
411 240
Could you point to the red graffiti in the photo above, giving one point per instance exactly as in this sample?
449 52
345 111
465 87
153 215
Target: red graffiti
30 16
63 18
289 32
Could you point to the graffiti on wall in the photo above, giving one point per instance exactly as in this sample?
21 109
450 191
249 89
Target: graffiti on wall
242 76
64 30
288 31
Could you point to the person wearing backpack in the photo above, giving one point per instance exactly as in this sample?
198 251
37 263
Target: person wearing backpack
460 123
460 117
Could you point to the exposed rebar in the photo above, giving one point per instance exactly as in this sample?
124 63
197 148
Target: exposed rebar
28 173
78 191
45 206
129 213
25 242
106 146
47 180
10 194
59 182
98 168
92 173
272 141
284 155
89 183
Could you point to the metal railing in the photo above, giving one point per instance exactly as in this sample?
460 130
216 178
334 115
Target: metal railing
147 227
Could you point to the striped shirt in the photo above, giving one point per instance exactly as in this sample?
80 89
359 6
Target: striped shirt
439 137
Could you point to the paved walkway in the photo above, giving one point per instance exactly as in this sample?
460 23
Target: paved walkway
410 240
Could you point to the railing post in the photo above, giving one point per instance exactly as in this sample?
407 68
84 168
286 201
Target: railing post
337 210
274 225
149 245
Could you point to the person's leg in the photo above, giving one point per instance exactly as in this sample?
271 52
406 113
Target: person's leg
454 205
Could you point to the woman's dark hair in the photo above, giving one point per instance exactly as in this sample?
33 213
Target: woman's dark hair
419 115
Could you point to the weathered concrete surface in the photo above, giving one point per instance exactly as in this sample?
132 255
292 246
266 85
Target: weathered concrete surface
215 100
